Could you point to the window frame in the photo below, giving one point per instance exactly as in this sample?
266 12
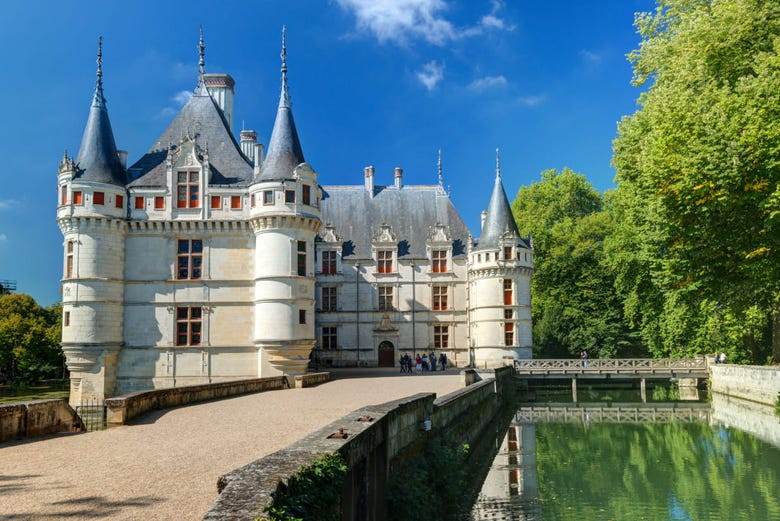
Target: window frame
69 248
384 260
119 201
508 292
159 202
289 196
441 337
215 202
190 259
268 197
306 194
235 202
439 261
189 326
440 297
330 338
301 258
328 262
139 202
329 299
385 297
78 198
98 198
188 185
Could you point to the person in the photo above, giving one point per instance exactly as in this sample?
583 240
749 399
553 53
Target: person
419 365
584 357
424 362
432 361
722 358
409 364
443 361
402 363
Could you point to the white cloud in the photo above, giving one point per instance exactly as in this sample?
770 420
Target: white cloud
182 97
431 74
590 56
3 237
487 82
9 204
401 20
532 101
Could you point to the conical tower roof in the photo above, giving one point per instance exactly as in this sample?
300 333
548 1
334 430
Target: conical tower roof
284 147
500 219
97 159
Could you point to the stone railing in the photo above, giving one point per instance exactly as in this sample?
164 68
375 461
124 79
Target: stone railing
369 439
619 366
120 409
759 384
310 379
36 418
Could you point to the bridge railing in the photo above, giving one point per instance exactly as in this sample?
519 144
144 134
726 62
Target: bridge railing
610 364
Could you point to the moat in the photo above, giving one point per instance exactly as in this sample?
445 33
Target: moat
613 457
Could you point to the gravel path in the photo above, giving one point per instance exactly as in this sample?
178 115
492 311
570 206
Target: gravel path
165 464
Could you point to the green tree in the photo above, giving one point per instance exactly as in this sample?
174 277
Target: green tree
698 167
29 339
575 305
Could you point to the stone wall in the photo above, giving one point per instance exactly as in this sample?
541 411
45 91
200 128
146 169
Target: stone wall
749 382
757 419
121 409
375 435
36 418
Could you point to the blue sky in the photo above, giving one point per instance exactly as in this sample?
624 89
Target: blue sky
373 82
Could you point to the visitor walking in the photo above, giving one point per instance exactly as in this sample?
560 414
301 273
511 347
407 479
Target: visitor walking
432 359
419 365
402 363
443 361
584 357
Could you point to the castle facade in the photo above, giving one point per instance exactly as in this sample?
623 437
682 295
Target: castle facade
211 259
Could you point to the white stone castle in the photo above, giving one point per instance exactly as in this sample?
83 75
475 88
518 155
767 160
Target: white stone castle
210 260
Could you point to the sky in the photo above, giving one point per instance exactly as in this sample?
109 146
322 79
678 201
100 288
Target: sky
386 83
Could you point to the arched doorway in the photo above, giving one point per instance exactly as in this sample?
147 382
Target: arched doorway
386 354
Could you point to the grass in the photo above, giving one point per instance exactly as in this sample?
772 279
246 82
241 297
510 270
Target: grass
42 391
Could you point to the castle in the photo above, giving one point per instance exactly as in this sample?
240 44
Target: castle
211 259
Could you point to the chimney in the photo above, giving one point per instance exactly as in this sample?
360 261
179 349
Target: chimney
484 218
248 141
369 173
258 155
398 175
220 86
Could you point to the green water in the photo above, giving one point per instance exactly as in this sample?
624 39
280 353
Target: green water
667 467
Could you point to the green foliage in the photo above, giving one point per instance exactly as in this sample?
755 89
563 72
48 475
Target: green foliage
697 246
313 494
575 305
29 339
432 485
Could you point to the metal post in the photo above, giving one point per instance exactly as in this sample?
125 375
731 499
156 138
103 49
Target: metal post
357 312
414 340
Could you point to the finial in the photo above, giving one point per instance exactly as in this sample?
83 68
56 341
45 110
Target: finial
99 98
498 165
283 55
201 53
439 169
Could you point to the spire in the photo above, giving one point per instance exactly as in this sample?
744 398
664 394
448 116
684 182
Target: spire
500 219
438 166
97 159
284 147
200 89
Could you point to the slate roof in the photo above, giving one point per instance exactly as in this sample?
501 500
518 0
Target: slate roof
203 120
410 211
499 219
97 159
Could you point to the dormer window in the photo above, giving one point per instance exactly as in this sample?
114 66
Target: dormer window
507 253
188 189
384 261
439 261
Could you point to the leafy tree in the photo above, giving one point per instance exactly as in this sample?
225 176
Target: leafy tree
575 305
29 339
698 167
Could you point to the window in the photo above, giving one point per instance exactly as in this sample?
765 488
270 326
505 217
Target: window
302 258
139 203
301 316
63 195
507 253
235 202
119 202
252 201
440 298
189 259
66 319
306 194
329 262
77 198
329 298
508 314
188 326
441 337
384 261
268 197
509 333
439 261
69 260
159 203
99 198
289 196
188 190
329 337
216 202
385 298
508 292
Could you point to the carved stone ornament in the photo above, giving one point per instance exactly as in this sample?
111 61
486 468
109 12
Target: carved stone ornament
328 233
385 324
385 234
439 233
67 165
80 360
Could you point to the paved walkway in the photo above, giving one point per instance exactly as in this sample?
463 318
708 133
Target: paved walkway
165 464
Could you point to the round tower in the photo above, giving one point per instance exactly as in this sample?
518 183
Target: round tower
500 269
91 215
285 220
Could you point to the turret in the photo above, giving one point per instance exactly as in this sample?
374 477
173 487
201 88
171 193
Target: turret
500 267
285 220
90 214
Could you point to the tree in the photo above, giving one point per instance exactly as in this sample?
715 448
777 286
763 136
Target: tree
29 339
575 305
698 167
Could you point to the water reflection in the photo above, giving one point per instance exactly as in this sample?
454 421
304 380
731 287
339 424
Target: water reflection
654 461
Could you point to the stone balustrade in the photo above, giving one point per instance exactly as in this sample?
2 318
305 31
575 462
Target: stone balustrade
36 418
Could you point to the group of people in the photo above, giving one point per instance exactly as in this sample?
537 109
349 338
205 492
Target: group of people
720 358
422 363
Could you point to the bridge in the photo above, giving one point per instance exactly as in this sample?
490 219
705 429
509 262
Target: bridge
661 412
687 370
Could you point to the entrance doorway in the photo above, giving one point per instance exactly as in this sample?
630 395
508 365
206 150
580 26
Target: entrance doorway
386 354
